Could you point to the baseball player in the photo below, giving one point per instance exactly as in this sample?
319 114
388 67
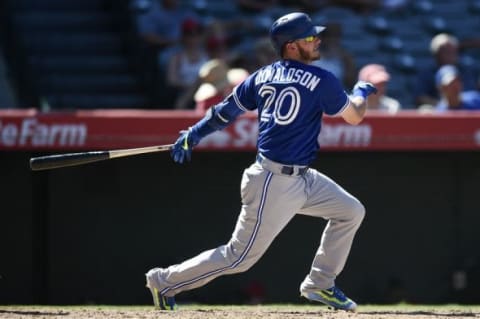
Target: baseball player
290 96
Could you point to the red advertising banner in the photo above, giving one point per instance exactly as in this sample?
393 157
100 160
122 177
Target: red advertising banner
113 129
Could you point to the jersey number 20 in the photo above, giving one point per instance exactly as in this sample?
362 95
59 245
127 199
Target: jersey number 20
282 105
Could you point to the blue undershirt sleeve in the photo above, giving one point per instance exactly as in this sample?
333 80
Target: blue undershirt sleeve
217 118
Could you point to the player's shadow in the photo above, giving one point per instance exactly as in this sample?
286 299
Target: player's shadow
421 313
35 312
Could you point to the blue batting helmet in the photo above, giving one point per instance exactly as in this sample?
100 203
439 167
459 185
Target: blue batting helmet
290 27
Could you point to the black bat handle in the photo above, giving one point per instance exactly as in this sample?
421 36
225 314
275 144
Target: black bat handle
63 160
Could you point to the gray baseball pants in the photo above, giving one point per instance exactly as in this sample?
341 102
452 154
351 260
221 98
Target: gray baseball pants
270 199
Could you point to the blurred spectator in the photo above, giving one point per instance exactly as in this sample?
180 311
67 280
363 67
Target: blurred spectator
445 50
7 97
218 81
159 25
452 96
378 76
184 65
335 57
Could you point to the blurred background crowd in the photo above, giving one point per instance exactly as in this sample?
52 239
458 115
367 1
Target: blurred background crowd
188 54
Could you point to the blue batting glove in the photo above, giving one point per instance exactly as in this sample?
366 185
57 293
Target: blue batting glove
363 89
182 149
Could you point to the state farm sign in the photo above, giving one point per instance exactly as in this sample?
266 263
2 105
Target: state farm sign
243 134
115 129
345 135
32 132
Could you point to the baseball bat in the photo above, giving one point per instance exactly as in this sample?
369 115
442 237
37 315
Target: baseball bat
73 159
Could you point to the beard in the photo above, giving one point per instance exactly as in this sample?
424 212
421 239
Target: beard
309 56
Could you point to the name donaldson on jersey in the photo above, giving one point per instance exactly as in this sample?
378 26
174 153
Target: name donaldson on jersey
302 77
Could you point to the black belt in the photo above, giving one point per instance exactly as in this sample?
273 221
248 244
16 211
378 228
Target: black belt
289 170
286 169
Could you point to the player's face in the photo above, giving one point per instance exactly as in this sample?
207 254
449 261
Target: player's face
309 48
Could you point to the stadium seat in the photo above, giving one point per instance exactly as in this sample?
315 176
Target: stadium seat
337 13
411 29
72 43
450 9
474 7
397 88
465 26
375 57
435 25
468 61
417 46
353 27
278 11
75 52
404 62
80 41
80 64
65 21
58 5
421 7
65 84
96 101
378 25
139 6
422 61
360 45
221 9
391 44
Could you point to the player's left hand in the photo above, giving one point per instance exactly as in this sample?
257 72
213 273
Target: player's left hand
364 89
182 149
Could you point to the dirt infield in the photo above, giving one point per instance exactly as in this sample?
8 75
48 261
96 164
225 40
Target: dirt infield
227 312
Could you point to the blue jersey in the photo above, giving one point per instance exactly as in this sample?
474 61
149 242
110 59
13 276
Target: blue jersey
290 98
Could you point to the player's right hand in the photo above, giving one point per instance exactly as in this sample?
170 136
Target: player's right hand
182 149
364 89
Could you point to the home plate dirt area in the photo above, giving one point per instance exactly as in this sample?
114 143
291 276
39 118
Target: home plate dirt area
237 312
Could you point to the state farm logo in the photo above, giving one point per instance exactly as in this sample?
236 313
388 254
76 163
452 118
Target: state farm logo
345 135
243 134
31 132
